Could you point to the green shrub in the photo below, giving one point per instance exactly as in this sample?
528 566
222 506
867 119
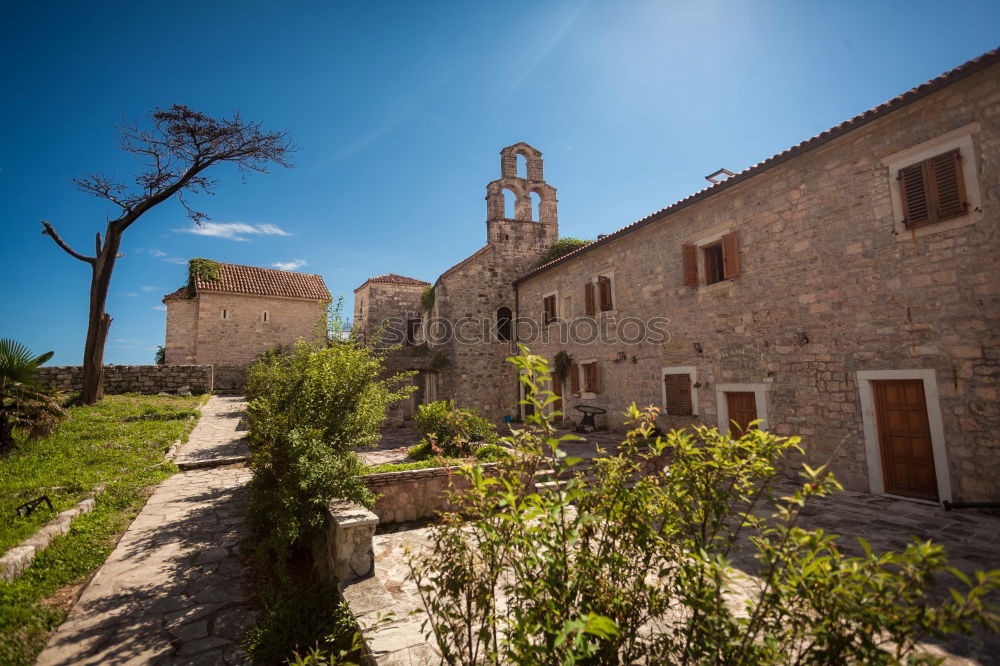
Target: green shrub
491 453
562 247
451 431
308 411
421 451
635 566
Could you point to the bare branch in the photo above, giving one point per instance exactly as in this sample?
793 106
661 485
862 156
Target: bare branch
49 231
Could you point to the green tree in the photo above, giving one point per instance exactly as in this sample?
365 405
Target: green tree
637 565
173 155
23 402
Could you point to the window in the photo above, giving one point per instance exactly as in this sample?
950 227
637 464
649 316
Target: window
677 389
412 331
549 311
680 391
718 255
504 317
934 185
224 314
567 307
597 293
591 377
265 317
932 190
713 263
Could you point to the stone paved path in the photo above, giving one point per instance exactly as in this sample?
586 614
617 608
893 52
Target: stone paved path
171 592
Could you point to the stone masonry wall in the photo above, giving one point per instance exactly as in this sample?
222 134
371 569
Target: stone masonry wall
243 334
828 287
131 378
378 302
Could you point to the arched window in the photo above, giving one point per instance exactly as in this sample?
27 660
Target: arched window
509 204
536 210
522 166
504 318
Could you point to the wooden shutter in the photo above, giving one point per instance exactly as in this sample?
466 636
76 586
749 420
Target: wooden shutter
678 389
689 264
588 297
574 379
595 377
913 194
730 255
604 287
947 185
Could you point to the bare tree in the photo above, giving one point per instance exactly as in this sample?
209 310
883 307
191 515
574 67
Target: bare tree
173 152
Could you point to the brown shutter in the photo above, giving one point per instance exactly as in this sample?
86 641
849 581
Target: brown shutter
913 193
730 255
689 263
947 185
604 286
574 378
596 369
588 293
678 390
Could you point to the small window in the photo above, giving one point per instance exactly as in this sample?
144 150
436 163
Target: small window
597 293
504 318
265 317
713 263
677 389
567 307
591 377
720 260
549 309
933 190
412 331
224 314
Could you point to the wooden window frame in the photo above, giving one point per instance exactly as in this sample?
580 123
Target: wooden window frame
760 392
714 262
550 314
599 293
695 268
591 377
692 374
961 139
921 184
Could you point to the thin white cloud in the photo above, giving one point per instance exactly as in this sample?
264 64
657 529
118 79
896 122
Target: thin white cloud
157 253
160 307
146 287
175 260
293 265
237 231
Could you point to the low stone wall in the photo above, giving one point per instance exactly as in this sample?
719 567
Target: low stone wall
229 377
342 550
415 494
131 378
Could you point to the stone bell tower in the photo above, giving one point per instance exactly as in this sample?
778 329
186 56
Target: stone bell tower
532 227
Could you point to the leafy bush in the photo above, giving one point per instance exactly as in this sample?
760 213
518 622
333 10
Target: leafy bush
491 453
421 451
24 403
635 566
451 431
562 247
308 411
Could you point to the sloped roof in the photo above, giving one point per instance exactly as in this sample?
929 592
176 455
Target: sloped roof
257 281
392 278
953 76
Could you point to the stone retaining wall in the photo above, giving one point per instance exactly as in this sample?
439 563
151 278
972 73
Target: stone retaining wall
131 378
414 494
229 377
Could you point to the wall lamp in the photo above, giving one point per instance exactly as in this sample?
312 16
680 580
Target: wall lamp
802 337
698 348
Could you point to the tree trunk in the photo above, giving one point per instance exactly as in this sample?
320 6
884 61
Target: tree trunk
99 321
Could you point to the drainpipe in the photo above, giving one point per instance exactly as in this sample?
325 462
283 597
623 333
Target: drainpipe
517 381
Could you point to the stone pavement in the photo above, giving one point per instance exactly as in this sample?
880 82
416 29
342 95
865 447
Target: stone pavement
170 592
218 435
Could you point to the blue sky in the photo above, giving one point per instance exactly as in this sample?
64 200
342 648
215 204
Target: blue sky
400 109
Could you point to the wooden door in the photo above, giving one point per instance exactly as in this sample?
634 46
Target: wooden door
742 407
905 438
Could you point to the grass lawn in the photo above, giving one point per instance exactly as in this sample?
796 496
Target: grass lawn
119 443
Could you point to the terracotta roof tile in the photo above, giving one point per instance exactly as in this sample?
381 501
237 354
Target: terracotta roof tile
392 278
957 74
237 279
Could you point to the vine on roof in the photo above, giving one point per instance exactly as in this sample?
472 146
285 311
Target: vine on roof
201 269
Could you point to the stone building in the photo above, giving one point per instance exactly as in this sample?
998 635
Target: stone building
245 311
846 290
